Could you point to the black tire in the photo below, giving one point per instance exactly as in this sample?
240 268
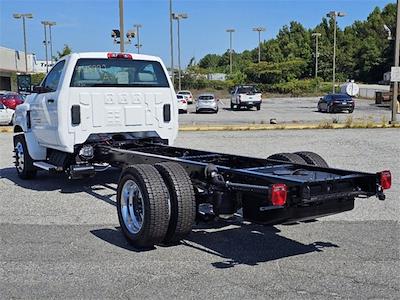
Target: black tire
288 157
258 107
23 161
232 106
351 111
155 200
182 201
313 159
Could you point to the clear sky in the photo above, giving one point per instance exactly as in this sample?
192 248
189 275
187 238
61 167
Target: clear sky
85 25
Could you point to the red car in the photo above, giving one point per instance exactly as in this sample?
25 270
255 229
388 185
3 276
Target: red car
11 100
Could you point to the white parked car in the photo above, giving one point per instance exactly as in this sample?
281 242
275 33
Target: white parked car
6 115
182 104
188 96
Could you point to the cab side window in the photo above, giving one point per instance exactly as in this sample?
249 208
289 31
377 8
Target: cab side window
53 78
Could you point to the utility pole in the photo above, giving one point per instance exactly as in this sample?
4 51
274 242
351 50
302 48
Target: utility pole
23 16
259 30
121 26
230 48
138 45
316 35
45 45
396 64
333 15
171 35
178 17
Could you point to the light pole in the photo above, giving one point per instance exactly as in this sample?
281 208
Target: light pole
316 35
50 24
231 31
138 45
23 16
334 15
178 17
396 64
45 23
259 30
121 26
171 38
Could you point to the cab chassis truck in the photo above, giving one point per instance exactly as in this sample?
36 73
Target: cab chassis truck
100 110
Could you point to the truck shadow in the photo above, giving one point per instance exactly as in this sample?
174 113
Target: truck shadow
249 244
232 245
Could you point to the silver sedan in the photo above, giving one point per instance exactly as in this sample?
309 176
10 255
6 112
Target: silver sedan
207 102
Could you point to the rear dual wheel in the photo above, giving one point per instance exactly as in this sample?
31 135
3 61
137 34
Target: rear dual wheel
302 157
155 204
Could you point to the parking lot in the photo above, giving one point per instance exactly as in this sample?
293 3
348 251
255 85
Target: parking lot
285 110
60 238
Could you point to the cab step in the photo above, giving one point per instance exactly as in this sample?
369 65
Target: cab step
46 166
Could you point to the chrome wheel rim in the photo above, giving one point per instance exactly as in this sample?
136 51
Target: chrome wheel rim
132 206
19 157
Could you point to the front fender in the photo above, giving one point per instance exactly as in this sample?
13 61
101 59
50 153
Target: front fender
20 117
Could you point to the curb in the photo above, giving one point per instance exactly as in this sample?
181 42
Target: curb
6 129
251 127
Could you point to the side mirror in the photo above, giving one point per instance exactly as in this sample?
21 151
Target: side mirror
40 89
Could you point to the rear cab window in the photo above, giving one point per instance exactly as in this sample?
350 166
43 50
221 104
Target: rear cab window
116 72
247 90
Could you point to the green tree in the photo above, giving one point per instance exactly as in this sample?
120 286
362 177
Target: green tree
65 51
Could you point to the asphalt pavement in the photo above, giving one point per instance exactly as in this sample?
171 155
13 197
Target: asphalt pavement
60 238
285 110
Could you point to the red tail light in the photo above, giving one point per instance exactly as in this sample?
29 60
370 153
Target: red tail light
119 55
278 194
385 179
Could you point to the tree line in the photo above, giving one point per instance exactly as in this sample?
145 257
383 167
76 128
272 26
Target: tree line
363 53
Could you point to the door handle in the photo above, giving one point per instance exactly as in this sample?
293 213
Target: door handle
50 100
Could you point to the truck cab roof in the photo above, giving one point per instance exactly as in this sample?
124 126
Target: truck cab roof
107 55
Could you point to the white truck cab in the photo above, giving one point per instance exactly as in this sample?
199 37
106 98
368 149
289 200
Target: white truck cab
93 95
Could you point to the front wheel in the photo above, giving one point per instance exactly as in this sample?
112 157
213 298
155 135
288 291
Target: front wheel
258 107
143 206
23 161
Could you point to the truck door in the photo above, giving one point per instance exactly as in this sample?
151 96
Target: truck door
44 114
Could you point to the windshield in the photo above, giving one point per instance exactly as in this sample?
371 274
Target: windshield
206 98
247 90
117 72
